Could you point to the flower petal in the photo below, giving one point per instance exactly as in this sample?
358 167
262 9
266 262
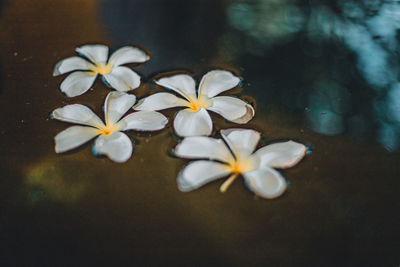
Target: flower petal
73 137
77 113
281 155
265 182
77 83
181 83
160 101
217 81
116 146
95 53
200 172
192 123
247 116
143 121
70 64
116 105
201 147
241 141
231 108
122 79
128 54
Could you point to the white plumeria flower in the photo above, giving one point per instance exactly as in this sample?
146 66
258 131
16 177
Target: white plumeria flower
194 119
118 77
256 168
111 141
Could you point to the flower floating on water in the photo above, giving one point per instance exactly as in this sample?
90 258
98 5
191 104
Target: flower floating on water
118 77
256 168
111 142
194 119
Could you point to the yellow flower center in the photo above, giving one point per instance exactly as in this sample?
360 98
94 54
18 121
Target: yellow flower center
108 129
100 68
237 166
197 103
241 165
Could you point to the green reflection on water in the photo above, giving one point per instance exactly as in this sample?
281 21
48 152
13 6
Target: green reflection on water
56 179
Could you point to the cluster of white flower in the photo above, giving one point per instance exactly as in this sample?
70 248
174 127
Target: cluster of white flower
232 155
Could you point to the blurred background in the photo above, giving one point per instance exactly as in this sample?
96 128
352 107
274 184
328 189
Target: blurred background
325 73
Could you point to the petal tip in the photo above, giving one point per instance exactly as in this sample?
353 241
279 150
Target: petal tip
248 116
57 147
56 70
183 185
262 194
304 150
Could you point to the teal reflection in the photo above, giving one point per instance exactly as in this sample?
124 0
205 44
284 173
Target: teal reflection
352 45
388 110
264 23
325 121
368 31
389 137
328 105
241 16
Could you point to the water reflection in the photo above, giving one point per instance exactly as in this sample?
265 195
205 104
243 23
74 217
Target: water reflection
177 33
352 45
56 179
369 30
327 108
265 22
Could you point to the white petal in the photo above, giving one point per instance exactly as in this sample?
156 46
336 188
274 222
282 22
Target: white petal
181 83
122 79
201 147
77 83
231 108
247 116
127 54
192 123
281 155
73 137
95 53
70 64
217 81
200 172
143 121
77 113
117 146
160 101
116 105
241 141
266 183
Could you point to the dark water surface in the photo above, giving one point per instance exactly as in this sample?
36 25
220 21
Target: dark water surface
324 73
